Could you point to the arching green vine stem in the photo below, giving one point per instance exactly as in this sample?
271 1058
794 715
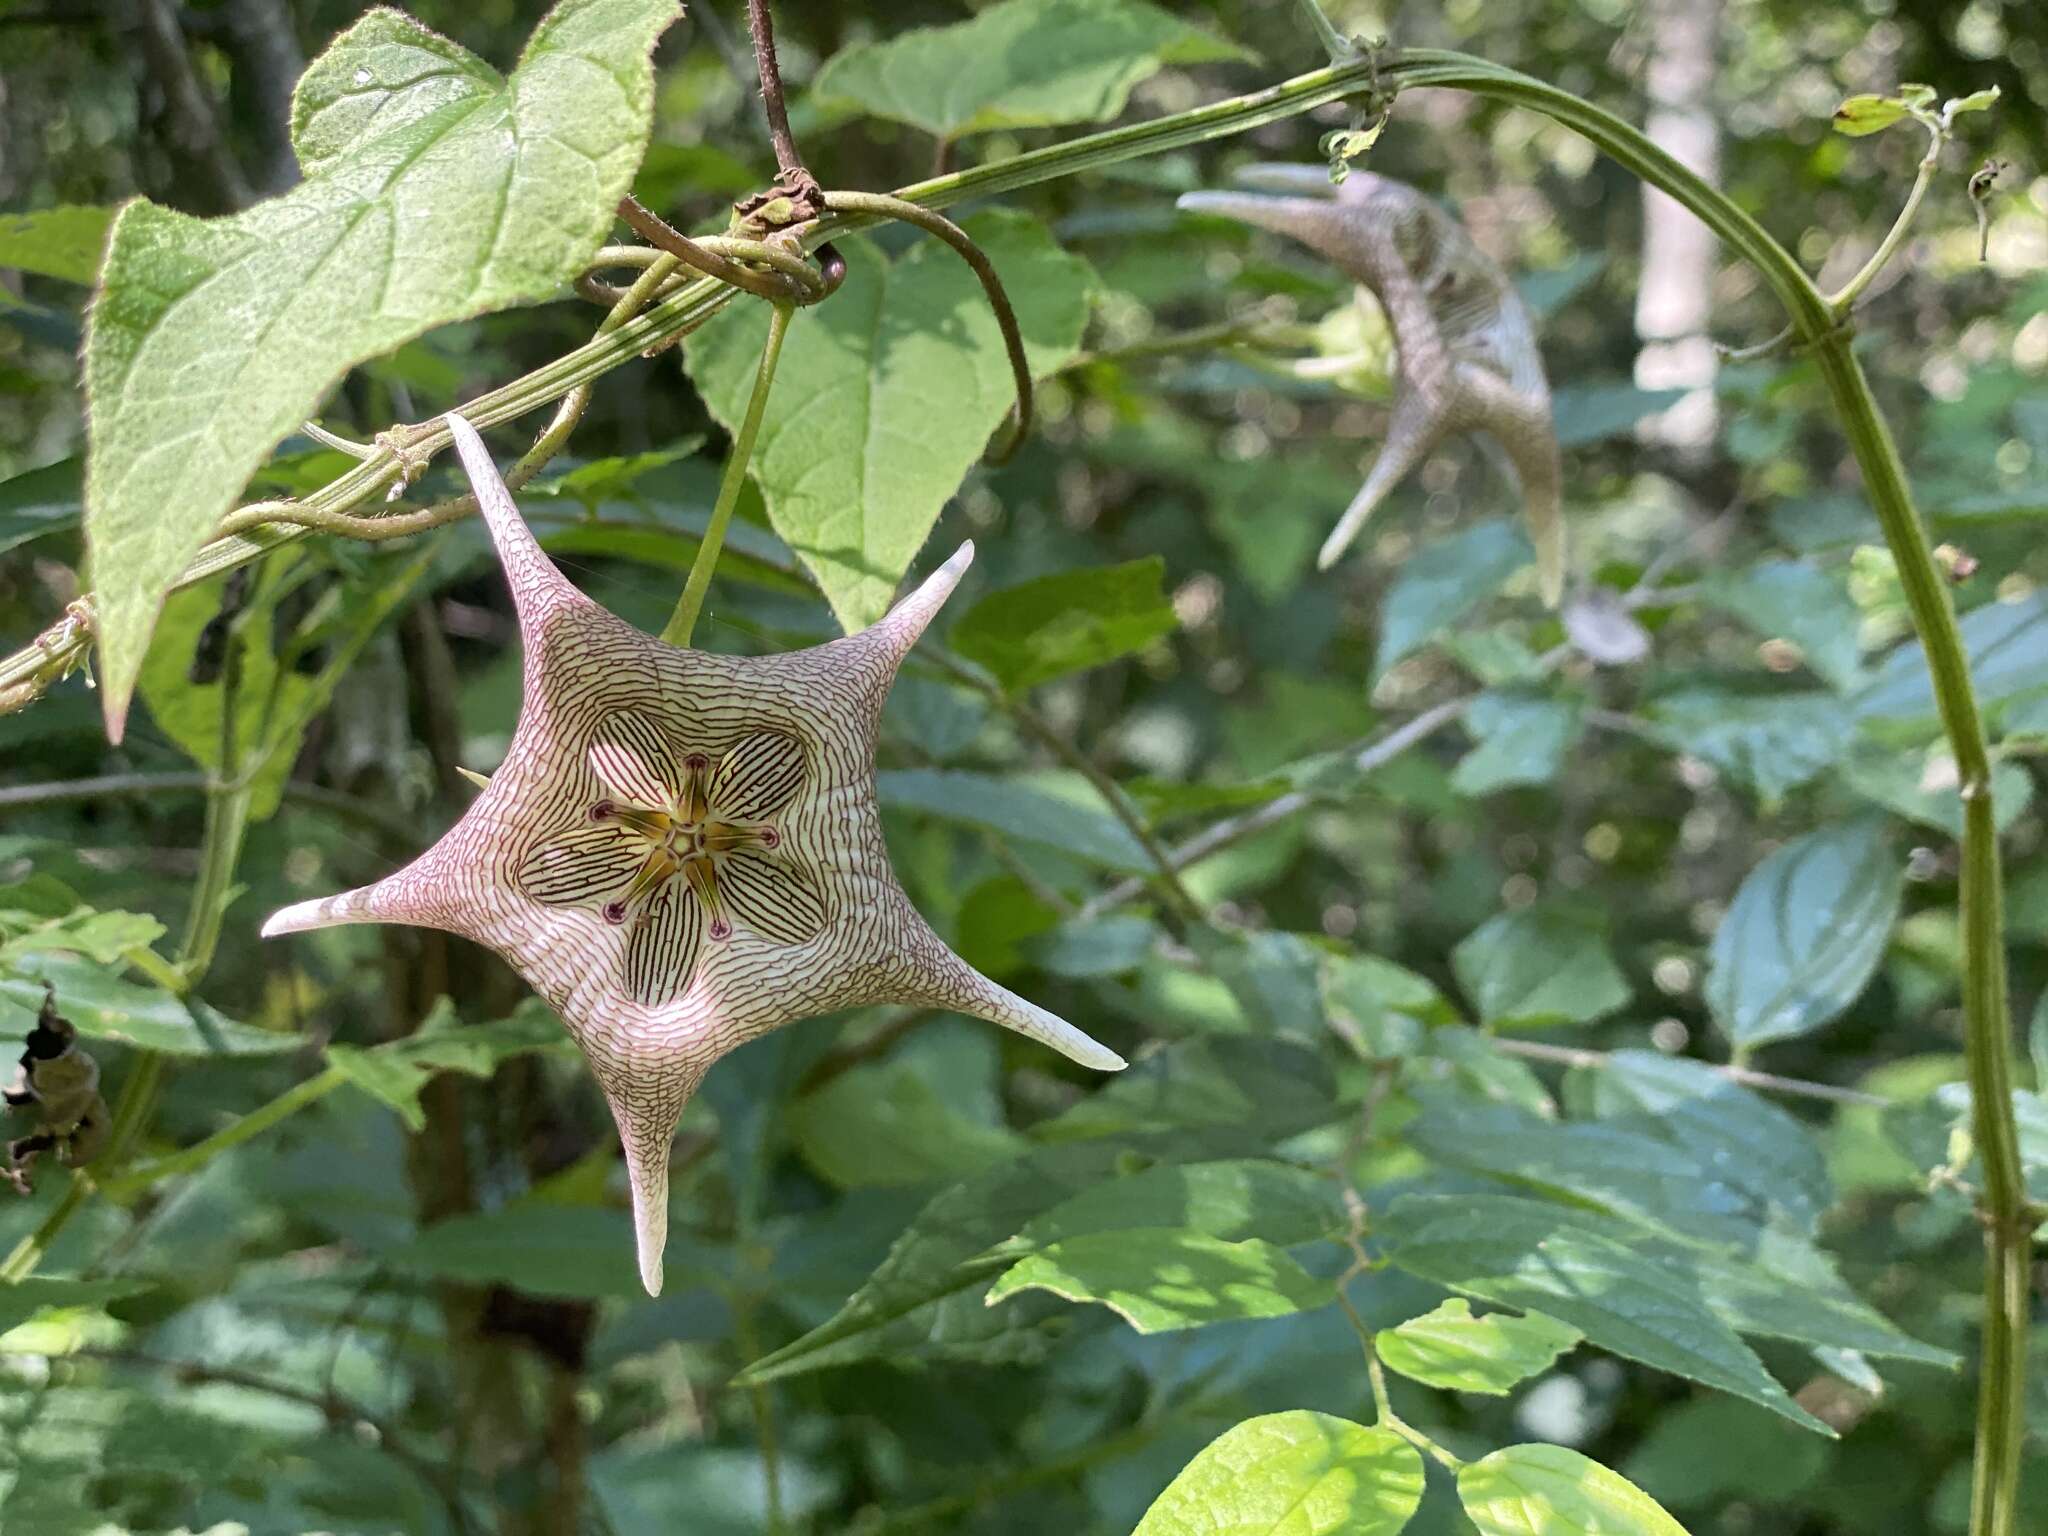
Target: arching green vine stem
2008 1216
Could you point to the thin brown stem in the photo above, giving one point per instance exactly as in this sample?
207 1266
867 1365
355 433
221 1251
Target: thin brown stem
795 177
882 205
792 282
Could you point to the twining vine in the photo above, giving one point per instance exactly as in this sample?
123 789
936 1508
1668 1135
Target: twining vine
780 250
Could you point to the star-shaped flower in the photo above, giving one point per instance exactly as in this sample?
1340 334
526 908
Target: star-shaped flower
1467 354
681 850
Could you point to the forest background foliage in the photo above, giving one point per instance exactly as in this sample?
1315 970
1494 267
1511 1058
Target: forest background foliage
1548 1085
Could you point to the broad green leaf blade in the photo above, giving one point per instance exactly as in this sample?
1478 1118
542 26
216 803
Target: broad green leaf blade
943 1250
1795 601
1714 1448
1921 784
1265 1088
394 1074
535 1246
42 501
22 1299
1017 64
1520 739
887 1125
888 395
435 190
43 915
1292 1474
1446 581
1867 114
104 1007
1772 741
1523 1254
1162 1278
1540 965
1067 622
2008 647
1452 1349
1232 1199
1592 413
1549 1490
1805 933
1012 809
63 242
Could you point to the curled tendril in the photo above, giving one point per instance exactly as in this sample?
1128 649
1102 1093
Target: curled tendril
882 205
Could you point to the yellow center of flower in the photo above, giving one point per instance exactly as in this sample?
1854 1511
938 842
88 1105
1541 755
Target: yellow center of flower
688 837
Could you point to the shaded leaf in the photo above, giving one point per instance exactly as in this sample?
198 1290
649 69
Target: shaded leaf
1012 809
1771 741
63 242
1231 1199
1805 933
1792 600
1446 581
1540 965
887 1124
1065 622
2008 650
22 1299
1591 413
41 501
1522 739
105 1007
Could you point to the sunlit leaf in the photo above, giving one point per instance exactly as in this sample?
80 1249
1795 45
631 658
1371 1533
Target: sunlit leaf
1296 1473
1551 1490
1452 1349
1162 1278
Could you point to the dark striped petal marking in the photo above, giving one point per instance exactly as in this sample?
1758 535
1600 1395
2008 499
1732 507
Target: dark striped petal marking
681 851
632 758
590 863
774 899
661 950
757 777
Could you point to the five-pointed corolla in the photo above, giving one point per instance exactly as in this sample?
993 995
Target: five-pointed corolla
1467 354
681 850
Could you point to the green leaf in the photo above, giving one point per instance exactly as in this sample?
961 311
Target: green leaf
1771 741
1805 933
1018 64
1162 1278
41 915
105 1007
945 1249
1791 600
435 189
1532 1257
599 480
1264 1087
395 1073
274 701
1867 114
1922 785
1976 101
1066 622
22 1299
1452 1349
63 242
1446 581
1775 1285
1297 1473
902 378
1107 946
1592 413
1231 1199
1715 1449
1549 1490
1012 809
1275 976
2008 649
1540 965
535 1246
1522 739
42 501
887 1125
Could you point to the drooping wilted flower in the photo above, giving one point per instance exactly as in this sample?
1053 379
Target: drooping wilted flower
681 850
1468 359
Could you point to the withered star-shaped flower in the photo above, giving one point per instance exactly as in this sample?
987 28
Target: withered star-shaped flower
681 850
1467 354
